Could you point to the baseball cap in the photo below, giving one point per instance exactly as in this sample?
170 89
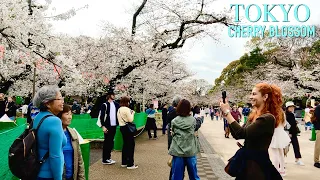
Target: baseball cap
289 103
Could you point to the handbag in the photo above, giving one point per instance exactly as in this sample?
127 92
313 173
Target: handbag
236 163
170 161
130 125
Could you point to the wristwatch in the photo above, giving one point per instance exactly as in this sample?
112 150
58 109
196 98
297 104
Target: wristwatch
226 112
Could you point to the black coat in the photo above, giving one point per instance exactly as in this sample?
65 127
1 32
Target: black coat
105 111
12 109
293 123
164 114
2 108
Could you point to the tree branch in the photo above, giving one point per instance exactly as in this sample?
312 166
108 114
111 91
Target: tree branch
135 15
175 44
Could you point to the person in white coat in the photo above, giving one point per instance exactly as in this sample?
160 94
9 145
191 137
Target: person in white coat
280 140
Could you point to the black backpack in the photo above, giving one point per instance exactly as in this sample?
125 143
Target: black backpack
23 154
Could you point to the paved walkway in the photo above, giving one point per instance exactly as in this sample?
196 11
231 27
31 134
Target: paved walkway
151 156
225 148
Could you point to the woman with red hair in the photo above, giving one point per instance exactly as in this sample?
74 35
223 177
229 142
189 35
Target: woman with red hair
253 160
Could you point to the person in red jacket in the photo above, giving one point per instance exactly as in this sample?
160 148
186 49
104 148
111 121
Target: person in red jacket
236 114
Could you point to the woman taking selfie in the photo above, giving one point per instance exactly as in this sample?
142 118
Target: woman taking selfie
74 166
257 132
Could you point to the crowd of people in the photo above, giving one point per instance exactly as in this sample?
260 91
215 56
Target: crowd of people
266 127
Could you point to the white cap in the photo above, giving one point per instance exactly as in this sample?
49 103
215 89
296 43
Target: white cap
289 103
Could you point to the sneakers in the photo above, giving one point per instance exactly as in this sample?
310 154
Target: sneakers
123 165
108 162
317 165
300 163
132 167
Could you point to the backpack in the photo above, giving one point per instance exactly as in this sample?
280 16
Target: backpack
23 154
105 116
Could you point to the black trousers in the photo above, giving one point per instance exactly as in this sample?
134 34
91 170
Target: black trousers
151 125
164 125
128 146
295 145
169 136
108 143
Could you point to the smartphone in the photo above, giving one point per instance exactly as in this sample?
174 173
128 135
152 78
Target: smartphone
224 96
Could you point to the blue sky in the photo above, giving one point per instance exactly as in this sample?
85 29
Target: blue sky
206 57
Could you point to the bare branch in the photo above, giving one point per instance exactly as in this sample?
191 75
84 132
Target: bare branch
182 29
135 15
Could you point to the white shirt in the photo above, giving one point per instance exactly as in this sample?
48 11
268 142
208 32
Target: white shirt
202 112
24 109
113 113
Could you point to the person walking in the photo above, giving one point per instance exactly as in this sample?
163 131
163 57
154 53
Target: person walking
307 117
293 131
74 165
202 113
171 115
236 114
280 140
185 144
316 125
109 123
211 113
257 132
206 110
164 113
50 136
126 115
151 122
245 112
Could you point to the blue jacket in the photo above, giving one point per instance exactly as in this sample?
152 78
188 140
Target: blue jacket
50 137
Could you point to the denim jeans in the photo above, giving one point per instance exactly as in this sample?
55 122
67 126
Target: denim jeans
178 167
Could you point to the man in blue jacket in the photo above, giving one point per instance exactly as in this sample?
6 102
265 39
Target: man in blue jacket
109 122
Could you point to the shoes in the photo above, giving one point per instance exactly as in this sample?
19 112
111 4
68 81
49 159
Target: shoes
123 165
155 138
300 163
132 167
317 165
108 162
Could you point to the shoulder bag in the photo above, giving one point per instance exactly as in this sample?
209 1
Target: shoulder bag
130 125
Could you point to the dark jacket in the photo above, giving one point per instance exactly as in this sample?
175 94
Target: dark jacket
172 114
2 108
316 123
164 114
293 123
258 136
12 109
104 112
76 108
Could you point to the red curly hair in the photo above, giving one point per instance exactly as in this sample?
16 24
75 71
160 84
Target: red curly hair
273 104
